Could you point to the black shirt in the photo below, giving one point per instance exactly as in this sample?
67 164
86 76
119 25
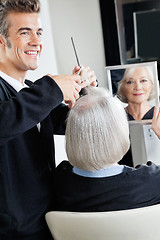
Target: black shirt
27 157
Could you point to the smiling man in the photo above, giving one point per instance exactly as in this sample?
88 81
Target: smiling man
22 49
30 113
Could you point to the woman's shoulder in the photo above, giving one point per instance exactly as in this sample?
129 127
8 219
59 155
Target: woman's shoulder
64 166
149 168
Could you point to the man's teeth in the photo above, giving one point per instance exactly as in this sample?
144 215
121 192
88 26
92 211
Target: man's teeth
32 52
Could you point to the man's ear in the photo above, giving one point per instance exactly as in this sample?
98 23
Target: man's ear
2 41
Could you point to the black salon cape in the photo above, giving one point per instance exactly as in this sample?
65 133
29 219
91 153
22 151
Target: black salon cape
133 188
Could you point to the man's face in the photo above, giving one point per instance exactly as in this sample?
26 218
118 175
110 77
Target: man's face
25 38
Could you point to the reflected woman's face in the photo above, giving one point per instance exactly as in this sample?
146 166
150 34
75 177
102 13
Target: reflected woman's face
137 86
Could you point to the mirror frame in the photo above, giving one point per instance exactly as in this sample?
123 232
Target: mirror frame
153 64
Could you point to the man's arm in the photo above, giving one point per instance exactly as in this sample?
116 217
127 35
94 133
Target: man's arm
29 107
81 78
32 105
70 87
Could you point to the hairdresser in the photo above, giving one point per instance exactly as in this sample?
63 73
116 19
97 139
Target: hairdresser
30 113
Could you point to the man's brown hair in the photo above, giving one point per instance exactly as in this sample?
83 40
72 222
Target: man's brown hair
22 6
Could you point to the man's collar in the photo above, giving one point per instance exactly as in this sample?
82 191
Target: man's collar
12 82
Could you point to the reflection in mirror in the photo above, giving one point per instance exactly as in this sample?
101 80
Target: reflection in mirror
133 17
137 86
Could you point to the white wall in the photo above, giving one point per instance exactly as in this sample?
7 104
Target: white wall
61 20
48 63
80 20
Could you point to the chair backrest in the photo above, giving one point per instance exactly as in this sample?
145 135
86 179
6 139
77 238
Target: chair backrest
135 224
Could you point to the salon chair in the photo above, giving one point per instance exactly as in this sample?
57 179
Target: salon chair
136 224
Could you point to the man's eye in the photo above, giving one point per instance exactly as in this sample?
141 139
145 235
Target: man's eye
39 33
24 33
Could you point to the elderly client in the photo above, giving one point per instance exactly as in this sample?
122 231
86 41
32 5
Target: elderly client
97 137
136 89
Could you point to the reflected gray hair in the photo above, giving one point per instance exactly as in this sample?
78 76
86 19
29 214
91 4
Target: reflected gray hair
127 74
97 132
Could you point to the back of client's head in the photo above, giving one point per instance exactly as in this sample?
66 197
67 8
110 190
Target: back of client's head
97 133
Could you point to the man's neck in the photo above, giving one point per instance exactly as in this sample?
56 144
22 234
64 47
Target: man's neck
12 82
20 76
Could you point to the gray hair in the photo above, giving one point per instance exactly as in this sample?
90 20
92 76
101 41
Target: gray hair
97 133
127 74
7 6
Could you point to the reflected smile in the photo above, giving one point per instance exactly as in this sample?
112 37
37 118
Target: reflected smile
138 94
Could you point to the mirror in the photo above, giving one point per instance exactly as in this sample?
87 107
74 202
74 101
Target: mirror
138 24
135 85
